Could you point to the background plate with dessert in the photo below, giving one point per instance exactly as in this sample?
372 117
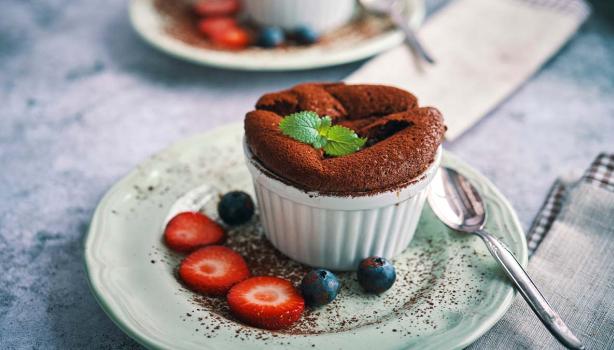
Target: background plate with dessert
316 35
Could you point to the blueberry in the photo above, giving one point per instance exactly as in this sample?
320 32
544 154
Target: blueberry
305 35
319 287
376 275
271 37
236 208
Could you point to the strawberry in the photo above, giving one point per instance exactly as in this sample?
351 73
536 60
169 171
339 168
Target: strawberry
233 38
213 270
214 25
210 8
266 302
190 230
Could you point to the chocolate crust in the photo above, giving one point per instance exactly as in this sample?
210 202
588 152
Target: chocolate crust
402 137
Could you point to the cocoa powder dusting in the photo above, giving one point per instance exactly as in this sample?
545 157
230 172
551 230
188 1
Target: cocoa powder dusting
423 285
440 277
263 260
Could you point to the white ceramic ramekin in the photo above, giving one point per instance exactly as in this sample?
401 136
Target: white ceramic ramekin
338 232
320 15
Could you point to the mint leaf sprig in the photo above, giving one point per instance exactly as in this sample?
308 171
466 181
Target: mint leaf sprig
308 127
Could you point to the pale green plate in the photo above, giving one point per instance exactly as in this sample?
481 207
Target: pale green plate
449 290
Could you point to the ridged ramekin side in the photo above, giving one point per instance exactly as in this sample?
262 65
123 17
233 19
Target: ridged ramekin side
337 239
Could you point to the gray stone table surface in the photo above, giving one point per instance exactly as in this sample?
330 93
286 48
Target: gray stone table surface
83 100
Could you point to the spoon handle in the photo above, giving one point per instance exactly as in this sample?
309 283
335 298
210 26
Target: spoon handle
529 291
410 36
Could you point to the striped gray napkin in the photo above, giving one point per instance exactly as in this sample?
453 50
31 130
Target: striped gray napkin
573 267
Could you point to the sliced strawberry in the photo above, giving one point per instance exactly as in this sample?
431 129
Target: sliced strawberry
190 230
210 8
213 270
266 302
215 25
233 38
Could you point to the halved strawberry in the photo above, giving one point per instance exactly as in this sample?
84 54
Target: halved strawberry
266 302
214 25
209 8
213 270
232 38
190 230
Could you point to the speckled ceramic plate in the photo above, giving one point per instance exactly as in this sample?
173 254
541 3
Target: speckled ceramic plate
449 290
360 39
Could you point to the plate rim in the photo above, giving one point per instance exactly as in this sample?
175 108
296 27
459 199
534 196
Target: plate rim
133 332
183 51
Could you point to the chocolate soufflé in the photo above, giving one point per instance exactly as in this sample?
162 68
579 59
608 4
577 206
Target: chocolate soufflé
402 138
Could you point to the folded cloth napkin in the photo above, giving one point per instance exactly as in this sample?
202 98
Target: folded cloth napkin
573 267
484 50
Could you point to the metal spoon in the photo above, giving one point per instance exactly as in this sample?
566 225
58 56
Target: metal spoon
459 205
393 9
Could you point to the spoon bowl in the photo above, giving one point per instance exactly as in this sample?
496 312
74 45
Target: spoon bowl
456 202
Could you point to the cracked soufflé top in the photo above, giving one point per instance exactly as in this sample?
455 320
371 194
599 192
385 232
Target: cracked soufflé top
402 137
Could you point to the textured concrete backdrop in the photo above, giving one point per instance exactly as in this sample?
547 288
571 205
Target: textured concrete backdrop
83 100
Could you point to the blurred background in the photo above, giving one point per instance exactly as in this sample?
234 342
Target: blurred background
83 99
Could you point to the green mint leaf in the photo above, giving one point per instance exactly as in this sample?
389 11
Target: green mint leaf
308 127
320 142
322 131
342 141
302 126
326 122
